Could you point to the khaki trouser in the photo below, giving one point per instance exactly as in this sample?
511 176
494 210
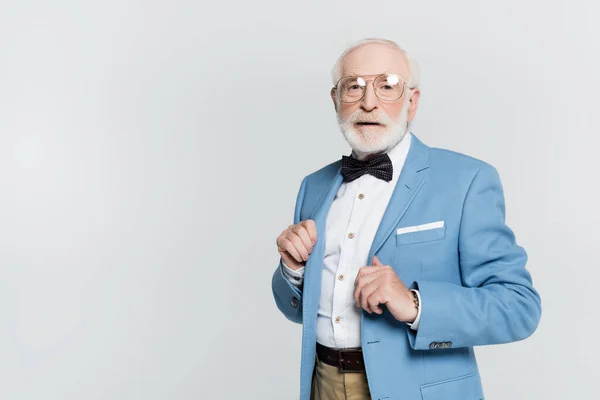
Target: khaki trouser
329 383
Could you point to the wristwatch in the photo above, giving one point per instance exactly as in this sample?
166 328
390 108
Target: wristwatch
415 298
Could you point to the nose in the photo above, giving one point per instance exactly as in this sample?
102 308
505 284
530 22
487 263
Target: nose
369 100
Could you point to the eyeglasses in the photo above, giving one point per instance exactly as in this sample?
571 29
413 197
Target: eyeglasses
387 87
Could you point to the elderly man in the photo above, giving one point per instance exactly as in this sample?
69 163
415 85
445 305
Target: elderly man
399 260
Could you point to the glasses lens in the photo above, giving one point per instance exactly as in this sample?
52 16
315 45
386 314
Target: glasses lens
351 88
389 87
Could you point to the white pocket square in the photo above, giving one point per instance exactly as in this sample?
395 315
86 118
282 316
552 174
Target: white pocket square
418 228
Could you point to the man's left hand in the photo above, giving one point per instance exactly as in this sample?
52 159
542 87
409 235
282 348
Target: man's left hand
379 284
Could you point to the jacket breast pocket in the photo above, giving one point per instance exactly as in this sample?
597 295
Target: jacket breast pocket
420 236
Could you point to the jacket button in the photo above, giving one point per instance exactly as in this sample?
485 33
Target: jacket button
294 302
433 345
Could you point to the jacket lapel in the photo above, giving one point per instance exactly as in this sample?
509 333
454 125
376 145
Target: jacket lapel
409 184
313 267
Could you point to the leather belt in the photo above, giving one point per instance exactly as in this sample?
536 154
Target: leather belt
347 360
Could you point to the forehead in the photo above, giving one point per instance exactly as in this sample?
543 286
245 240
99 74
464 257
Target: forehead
374 59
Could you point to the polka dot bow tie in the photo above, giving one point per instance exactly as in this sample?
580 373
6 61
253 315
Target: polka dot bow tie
380 167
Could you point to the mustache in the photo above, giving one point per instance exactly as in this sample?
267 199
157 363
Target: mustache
361 116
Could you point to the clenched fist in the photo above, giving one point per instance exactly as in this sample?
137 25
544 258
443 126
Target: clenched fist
379 284
296 243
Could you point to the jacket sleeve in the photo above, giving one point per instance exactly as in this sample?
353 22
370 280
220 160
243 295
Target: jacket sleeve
496 302
288 297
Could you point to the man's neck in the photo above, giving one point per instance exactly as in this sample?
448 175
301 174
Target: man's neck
367 156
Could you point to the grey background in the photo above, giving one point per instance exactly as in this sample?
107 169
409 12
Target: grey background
151 152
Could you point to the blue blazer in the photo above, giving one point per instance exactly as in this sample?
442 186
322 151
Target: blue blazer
470 272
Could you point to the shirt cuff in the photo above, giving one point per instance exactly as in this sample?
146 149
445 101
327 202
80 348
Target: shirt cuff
295 277
415 325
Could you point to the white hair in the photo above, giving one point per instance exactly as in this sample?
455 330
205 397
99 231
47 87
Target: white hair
413 68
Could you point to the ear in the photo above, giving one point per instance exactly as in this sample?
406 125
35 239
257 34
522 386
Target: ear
413 104
332 94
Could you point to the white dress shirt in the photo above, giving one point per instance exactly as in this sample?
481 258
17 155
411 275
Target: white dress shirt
352 222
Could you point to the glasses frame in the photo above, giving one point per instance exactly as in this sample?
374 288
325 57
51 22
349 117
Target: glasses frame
337 95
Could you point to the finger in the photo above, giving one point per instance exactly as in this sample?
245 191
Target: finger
359 291
374 301
298 244
361 282
366 292
376 261
311 228
281 242
370 270
287 245
363 277
303 235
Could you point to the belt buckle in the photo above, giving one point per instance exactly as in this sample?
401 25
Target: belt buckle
341 363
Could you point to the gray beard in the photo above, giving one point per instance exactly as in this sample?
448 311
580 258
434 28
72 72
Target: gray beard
370 144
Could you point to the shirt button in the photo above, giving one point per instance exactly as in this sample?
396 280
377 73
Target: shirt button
351 235
337 320
361 196
341 277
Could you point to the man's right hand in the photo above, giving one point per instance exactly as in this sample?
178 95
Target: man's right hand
296 243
